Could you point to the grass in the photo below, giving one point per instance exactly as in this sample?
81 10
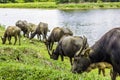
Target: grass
30 5
89 5
53 5
30 61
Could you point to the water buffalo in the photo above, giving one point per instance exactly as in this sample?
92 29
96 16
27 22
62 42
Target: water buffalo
41 29
67 31
9 32
68 46
32 27
106 49
56 35
24 26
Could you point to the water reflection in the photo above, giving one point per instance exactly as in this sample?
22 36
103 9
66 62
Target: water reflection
91 23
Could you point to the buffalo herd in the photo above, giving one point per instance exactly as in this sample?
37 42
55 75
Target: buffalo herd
82 56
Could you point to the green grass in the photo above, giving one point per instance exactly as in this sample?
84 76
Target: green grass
30 61
89 5
53 5
30 5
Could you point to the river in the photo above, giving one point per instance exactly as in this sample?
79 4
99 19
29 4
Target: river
91 23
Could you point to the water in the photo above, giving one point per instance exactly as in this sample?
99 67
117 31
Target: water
91 23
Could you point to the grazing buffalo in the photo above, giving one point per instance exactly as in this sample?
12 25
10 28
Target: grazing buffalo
67 31
24 26
68 46
56 35
41 29
32 27
11 31
106 49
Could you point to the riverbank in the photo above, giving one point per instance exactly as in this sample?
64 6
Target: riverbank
53 5
30 61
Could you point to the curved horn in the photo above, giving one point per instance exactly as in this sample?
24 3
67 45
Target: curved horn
87 51
82 46
49 51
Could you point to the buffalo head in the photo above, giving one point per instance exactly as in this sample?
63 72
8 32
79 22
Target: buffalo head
3 40
81 61
53 55
80 64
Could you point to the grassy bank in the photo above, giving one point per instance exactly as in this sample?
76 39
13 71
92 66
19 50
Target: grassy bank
30 61
53 5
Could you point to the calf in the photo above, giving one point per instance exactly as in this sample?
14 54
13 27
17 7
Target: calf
101 67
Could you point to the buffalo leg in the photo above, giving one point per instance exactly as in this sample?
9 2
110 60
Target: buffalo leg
51 45
113 76
45 36
24 34
71 61
38 36
44 39
27 34
19 39
99 70
103 71
62 58
15 40
9 39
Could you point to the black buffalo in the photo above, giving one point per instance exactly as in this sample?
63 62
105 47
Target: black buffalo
106 49
68 46
56 35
